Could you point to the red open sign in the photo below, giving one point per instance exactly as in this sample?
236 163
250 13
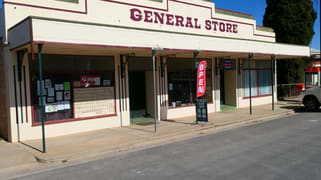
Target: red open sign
201 79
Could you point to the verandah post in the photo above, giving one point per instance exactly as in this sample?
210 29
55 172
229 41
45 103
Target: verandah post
20 56
250 82
195 74
154 85
41 98
272 79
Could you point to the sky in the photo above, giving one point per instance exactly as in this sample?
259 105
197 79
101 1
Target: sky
257 9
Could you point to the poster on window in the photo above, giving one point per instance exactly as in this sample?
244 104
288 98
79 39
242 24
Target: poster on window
90 81
201 79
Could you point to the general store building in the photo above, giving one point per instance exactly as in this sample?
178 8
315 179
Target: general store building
97 62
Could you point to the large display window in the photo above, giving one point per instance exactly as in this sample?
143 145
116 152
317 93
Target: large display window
182 83
75 88
260 79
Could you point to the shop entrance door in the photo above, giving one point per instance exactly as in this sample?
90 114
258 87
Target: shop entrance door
137 94
141 90
228 90
222 91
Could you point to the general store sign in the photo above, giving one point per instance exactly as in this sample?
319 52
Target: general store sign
155 17
201 79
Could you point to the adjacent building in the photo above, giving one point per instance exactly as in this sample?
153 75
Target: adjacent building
313 69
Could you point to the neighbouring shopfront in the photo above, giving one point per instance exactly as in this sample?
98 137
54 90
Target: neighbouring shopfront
112 63
313 70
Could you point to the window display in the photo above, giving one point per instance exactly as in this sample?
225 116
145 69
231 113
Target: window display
82 88
182 82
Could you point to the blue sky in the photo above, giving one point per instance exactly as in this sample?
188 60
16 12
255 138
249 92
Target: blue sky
257 9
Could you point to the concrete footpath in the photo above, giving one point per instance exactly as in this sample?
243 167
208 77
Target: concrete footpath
97 143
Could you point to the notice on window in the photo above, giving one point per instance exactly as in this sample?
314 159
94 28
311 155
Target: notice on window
91 102
59 95
67 95
47 83
67 86
51 92
60 106
59 87
66 105
50 108
90 81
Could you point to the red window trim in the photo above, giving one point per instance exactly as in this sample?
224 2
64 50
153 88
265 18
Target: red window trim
34 124
257 83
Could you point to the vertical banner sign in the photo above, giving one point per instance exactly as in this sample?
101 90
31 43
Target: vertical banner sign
201 79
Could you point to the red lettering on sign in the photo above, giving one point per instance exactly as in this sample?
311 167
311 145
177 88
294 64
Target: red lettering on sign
201 79
155 17
136 15
89 81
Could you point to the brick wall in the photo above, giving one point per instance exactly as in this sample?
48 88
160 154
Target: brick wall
3 97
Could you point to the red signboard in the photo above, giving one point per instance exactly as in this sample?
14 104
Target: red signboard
201 79
312 69
90 81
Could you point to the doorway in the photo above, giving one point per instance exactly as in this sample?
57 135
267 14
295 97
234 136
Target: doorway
137 94
228 90
141 98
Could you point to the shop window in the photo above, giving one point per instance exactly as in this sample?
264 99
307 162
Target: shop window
75 87
265 82
182 83
260 78
246 82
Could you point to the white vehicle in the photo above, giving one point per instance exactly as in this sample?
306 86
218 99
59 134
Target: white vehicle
311 98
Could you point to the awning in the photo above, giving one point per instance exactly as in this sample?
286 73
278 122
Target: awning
74 37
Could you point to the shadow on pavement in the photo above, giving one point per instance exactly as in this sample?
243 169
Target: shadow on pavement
30 146
179 122
143 130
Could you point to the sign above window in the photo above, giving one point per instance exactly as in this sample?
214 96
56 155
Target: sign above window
228 64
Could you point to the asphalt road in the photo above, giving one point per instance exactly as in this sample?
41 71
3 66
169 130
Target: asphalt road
288 148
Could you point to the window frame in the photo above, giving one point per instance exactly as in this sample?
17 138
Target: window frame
257 82
211 72
73 72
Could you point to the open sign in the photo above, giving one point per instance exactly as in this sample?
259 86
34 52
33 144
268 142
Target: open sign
201 79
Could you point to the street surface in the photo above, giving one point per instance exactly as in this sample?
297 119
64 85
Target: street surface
284 149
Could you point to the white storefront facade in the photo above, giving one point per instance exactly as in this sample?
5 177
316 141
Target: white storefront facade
97 62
